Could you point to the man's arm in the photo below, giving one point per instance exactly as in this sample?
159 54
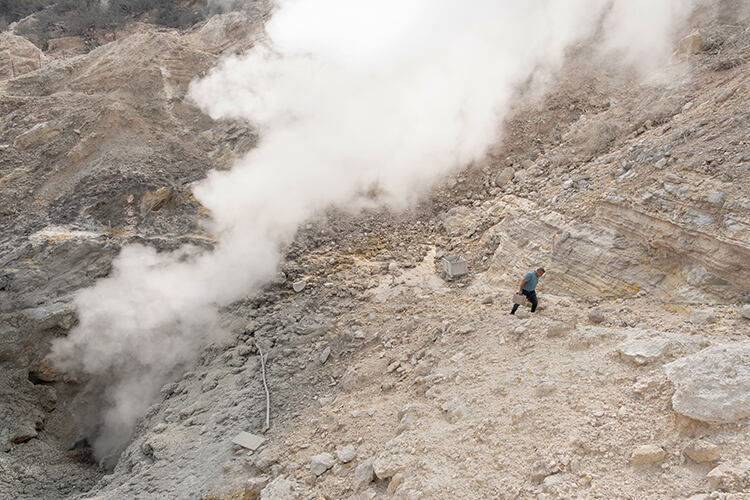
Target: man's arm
523 282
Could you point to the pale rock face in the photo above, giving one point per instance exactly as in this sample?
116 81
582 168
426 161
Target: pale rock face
645 346
647 455
604 258
745 311
714 384
18 56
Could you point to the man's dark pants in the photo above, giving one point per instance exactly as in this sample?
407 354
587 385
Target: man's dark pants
531 295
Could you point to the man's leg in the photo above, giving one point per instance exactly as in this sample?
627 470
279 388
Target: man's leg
532 298
513 311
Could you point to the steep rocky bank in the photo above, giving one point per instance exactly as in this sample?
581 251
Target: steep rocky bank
633 195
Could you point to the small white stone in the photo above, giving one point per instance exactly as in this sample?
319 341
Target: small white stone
300 285
346 454
321 463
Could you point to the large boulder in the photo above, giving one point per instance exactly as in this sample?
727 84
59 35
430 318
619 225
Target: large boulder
18 56
714 384
648 346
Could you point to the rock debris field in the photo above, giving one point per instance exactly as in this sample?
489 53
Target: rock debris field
386 380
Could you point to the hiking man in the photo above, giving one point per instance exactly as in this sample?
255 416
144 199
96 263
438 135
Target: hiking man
528 288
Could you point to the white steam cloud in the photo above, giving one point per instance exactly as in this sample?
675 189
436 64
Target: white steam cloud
348 96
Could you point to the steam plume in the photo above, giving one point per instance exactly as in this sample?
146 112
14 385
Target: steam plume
347 95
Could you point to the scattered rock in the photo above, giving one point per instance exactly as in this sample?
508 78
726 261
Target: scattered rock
545 388
387 466
552 480
298 286
690 45
647 454
730 477
321 463
540 471
364 474
352 379
714 384
279 489
265 460
596 316
465 329
699 496
323 355
458 220
346 454
701 451
716 198
724 95
457 413
745 311
407 417
396 481
45 372
39 133
254 487
700 317
503 177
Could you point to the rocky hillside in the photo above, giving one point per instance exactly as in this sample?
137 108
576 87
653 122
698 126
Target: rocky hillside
384 378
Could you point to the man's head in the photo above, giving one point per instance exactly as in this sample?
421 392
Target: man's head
539 272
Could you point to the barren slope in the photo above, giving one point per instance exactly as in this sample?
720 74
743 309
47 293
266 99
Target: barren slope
634 196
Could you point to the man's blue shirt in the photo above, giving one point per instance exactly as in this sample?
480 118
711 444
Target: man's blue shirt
531 280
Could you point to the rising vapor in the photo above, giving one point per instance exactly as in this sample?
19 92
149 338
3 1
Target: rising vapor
347 96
